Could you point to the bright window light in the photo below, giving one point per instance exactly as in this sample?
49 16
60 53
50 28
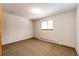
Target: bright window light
36 10
47 24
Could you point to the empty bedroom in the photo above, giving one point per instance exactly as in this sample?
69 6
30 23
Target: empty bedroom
39 29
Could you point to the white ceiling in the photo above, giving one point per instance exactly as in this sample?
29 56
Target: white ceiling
48 9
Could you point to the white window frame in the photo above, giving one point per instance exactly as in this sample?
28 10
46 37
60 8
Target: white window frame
47 24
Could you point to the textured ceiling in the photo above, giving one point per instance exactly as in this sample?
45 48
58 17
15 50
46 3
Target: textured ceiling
48 9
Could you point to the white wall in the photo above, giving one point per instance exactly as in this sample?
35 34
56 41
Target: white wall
77 29
16 28
63 32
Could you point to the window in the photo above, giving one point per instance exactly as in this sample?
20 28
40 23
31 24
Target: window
47 24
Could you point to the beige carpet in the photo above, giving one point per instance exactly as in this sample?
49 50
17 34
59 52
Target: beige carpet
35 47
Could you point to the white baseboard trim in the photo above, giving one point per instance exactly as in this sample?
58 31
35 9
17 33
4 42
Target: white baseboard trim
52 41
16 41
77 51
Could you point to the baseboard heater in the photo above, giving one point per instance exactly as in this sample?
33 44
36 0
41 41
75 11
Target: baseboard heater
52 41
